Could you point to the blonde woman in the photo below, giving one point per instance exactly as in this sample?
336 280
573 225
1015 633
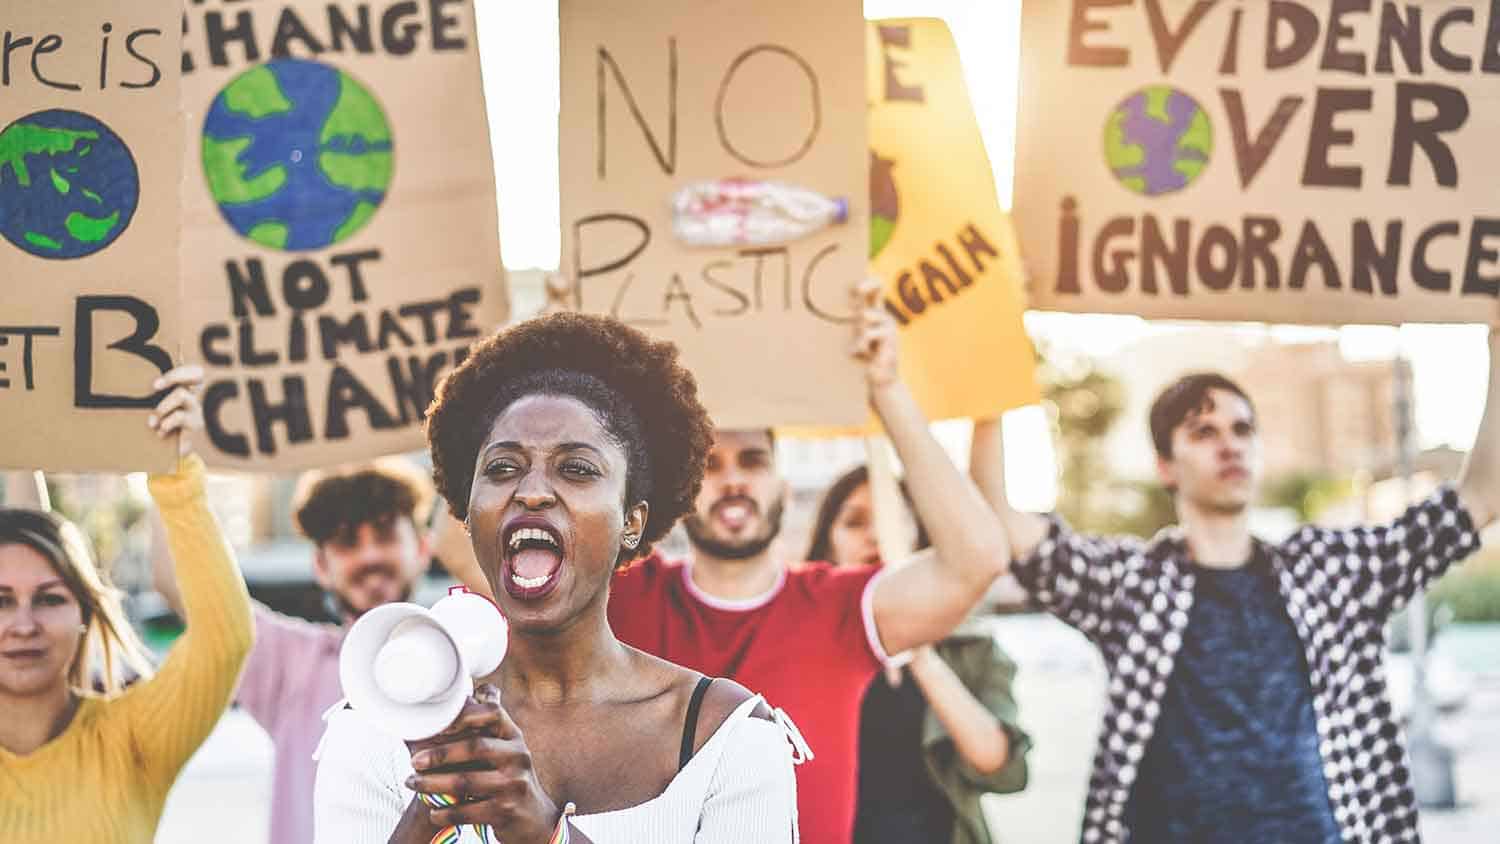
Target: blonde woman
83 766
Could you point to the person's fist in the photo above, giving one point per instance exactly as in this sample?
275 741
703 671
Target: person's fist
875 341
482 761
181 410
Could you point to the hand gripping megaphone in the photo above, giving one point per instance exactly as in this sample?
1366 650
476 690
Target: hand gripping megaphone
409 669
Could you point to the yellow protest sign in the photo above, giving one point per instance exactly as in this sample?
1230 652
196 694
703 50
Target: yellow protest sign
938 237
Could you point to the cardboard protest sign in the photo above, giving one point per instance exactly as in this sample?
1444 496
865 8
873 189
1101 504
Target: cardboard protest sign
938 238
1290 161
675 115
341 244
89 207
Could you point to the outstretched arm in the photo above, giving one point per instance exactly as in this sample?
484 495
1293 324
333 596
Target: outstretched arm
1479 486
922 601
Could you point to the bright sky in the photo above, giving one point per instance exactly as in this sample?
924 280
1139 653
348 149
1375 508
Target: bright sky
521 63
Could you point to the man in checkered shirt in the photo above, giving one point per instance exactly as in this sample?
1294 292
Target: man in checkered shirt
1247 699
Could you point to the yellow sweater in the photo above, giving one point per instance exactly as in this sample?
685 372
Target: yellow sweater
105 779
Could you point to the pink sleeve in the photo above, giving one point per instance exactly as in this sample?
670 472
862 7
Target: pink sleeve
278 639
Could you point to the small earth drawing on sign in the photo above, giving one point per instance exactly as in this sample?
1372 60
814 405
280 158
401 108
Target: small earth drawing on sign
1157 140
297 154
68 184
885 202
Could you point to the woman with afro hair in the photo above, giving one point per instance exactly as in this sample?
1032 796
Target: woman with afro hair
567 445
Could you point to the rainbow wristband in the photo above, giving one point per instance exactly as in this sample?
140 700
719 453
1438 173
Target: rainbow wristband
564 832
450 834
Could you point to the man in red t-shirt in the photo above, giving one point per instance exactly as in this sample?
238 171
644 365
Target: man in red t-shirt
808 636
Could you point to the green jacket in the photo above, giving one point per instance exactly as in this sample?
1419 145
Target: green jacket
987 672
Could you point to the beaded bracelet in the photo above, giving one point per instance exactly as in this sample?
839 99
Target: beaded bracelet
564 832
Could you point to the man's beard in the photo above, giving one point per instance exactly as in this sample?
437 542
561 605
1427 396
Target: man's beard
338 607
698 534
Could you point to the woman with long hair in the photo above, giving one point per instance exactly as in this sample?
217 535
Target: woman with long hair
567 445
931 745
83 765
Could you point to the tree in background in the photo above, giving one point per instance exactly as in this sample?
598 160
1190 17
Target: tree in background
1084 403
112 516
1308 494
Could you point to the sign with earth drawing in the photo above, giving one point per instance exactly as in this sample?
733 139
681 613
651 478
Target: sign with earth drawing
89 210
938 237
714 192
341 244
1287 161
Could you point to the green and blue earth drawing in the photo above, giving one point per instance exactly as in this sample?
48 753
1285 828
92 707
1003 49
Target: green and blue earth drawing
297 154
1157 140
68 184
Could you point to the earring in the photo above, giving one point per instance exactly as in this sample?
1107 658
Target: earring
83 628
631 540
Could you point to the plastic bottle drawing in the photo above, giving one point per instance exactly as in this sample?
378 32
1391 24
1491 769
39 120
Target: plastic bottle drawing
745 212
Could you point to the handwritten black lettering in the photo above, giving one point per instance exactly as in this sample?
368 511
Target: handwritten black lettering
138 343
815 97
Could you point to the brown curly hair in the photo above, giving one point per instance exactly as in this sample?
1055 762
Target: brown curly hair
645 400
335 502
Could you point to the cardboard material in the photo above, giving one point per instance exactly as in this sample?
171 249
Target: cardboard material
341 241
939 239
89 207
659 96
1296 162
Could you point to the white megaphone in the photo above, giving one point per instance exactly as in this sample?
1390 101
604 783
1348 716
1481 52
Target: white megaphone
409 669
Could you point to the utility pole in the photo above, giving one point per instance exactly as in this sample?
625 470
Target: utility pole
1432 761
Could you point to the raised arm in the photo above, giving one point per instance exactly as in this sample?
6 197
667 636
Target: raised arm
1072 575
921 601
1389 563
186 413
987 467
1479 486
163 573
173 713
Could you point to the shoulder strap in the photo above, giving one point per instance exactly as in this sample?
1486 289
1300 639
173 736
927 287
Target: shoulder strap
690 726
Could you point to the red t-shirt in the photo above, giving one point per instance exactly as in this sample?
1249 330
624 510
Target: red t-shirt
808 645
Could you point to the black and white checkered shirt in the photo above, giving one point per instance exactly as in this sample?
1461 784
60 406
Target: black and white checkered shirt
1132 599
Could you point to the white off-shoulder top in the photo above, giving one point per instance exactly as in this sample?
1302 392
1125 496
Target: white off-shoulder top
738 788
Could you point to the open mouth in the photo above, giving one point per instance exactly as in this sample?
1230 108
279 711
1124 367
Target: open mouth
533 558
734 513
